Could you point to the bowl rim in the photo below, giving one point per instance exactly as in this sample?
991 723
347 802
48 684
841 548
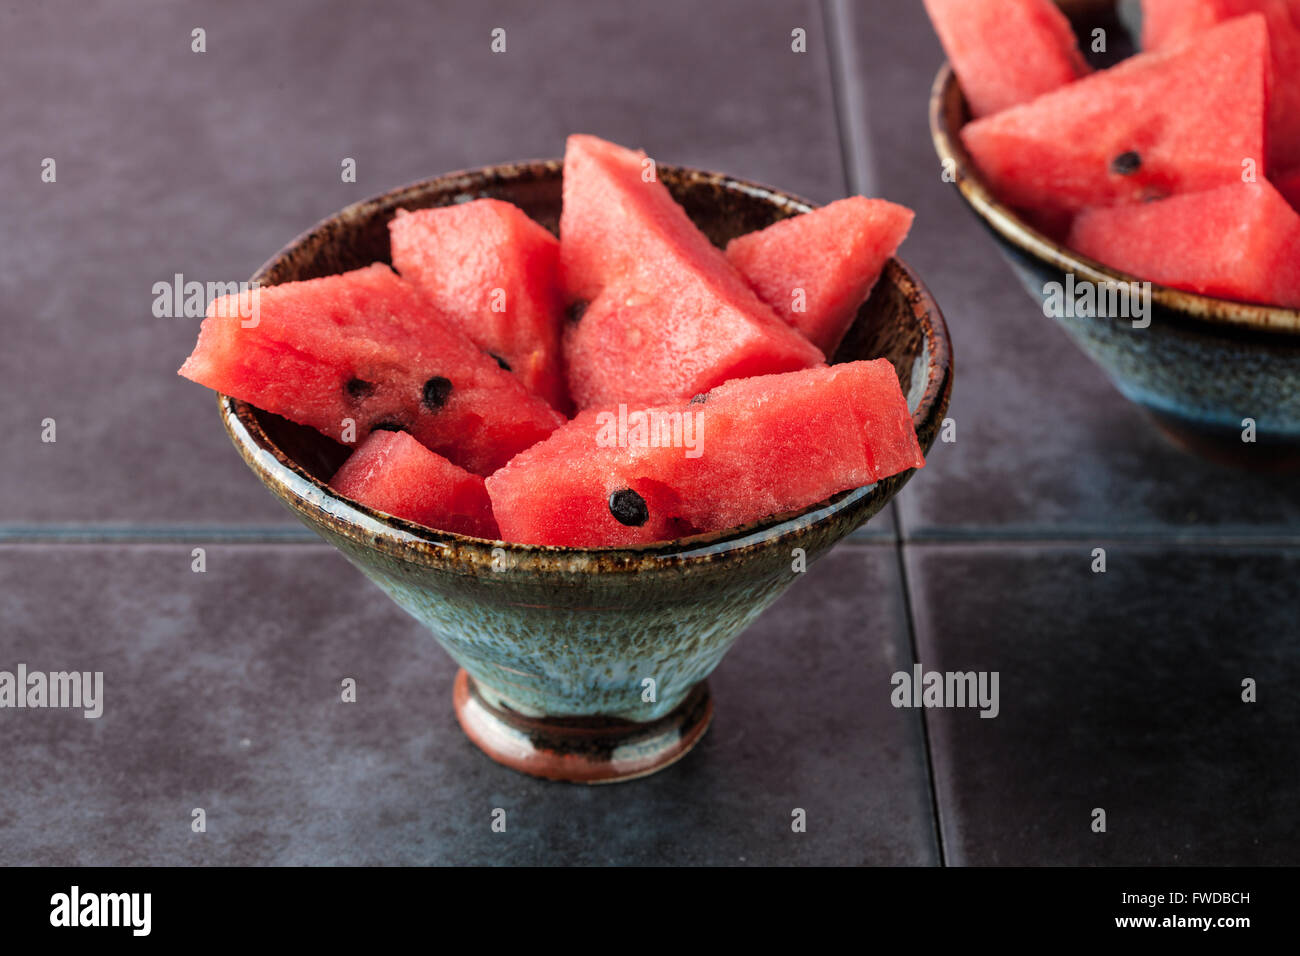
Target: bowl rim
1226 314
313 499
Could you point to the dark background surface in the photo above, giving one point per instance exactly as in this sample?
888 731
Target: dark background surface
1118 690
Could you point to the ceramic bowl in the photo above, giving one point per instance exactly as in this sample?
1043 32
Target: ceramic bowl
1210 372
584 664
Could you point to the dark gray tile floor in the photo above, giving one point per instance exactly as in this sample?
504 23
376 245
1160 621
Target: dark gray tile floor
222 691
1118 690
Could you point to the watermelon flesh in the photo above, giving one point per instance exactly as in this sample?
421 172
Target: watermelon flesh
816 270
394 473
1157 124
1166 22
745 450
1006 52
1236 242
369 349
666 316
495 272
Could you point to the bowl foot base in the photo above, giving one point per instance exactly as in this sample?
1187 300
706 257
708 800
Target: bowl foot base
582 749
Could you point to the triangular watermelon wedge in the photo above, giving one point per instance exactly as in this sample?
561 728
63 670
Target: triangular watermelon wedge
666 315
1235 242
816 270
1157 124
366 351
496 273
1006 52
394 473
748 449
1168 22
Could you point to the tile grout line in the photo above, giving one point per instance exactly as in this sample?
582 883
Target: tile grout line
859 177
1155 538
906 584
855 151
37 534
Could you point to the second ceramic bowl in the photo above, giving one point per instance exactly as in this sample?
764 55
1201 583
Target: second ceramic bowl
1221 378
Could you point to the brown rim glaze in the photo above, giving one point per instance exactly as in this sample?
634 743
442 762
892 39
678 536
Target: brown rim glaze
948 113
317 504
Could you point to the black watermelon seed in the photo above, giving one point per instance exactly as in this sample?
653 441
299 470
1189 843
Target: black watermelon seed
502 362
574 312
386 425
1126 164
628 508
356 389
436 391
700 399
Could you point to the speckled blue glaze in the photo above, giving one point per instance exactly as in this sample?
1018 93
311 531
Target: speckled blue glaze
577 648
1211 375
577 633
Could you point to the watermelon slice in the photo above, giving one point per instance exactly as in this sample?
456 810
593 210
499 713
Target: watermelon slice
1235 242
1167 22
817 269
1161 123
495 272
666 315
1006 52
394 473
745 450
367 348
